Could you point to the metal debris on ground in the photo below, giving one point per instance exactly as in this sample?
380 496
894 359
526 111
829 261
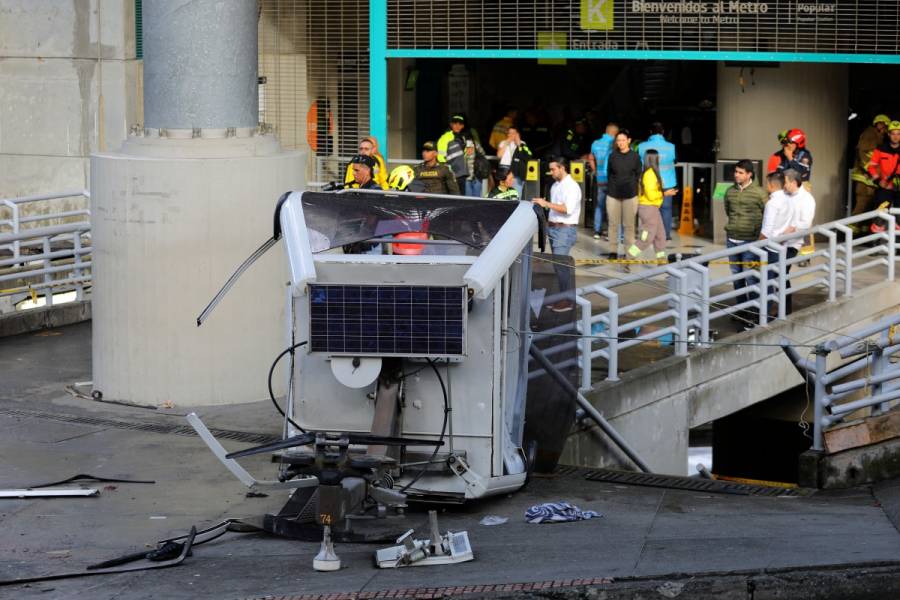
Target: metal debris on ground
558 512
50 493
447 549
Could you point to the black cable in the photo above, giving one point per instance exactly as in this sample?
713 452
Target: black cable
443 428
272 393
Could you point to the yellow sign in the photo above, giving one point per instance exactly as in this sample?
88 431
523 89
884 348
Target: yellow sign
597 15
552 40
578 172
531 173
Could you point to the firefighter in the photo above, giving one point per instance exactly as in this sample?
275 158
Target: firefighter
884 169
793 155
863 186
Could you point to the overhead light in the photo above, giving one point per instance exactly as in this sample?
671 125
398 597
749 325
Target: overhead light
852 115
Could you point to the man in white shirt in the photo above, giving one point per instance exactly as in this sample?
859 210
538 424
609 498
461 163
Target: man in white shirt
565 211
777 218
803 207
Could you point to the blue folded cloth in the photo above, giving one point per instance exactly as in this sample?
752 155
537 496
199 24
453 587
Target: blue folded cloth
558 512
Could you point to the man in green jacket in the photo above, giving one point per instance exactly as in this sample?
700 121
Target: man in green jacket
745 203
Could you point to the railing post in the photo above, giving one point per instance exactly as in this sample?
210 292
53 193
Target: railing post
613 347
76 271
48 278
584 344
17 245
819 408
892 245
681 321
782 281
762 305
848 262
704 301
832 264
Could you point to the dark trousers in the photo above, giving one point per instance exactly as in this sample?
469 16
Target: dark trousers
461 182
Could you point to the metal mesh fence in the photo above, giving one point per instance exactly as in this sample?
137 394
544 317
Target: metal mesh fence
314 58
819 26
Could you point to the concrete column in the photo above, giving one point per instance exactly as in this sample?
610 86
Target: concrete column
173 215
813 97
200 61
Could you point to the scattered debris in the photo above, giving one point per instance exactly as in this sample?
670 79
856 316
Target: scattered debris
670 589
185 550
490 520
558 512
86 477
447 549
50 493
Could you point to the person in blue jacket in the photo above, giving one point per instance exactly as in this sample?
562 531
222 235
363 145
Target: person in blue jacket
600 151
666 151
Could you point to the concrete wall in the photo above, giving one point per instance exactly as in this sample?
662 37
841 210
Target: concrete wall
401 112
813 97
69 86
654 407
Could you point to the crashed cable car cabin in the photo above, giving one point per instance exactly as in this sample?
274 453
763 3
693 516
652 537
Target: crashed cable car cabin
414 339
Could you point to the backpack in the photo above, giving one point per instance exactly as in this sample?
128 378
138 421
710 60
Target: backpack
482 166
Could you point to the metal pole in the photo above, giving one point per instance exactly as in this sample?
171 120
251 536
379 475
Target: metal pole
613 346
592 412
378 79
585 342
819 410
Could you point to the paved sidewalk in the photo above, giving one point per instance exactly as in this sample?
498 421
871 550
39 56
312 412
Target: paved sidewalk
47 434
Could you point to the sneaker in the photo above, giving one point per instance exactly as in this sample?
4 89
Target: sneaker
596 236
562 306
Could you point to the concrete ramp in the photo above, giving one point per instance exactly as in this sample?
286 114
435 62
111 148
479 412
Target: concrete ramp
655 406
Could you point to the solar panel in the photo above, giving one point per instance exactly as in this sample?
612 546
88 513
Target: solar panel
387 320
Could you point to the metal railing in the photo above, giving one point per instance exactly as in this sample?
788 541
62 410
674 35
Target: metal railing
687 295
878 383
44 250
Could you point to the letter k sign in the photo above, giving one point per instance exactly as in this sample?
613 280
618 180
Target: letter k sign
597 14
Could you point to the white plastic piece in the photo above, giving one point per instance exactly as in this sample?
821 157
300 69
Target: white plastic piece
456 545
236 469
50 493
297 239
326 559
354 371
495 260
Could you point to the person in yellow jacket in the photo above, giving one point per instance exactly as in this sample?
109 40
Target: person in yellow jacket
368 146
652 229
863 186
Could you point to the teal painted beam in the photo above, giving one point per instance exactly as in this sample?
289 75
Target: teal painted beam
810 57
378 84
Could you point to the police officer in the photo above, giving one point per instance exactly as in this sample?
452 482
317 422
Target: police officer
431 176
506 186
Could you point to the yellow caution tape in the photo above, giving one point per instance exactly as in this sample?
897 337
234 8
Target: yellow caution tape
762 482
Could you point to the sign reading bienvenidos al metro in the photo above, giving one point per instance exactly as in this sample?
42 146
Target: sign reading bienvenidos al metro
687 12
827 26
